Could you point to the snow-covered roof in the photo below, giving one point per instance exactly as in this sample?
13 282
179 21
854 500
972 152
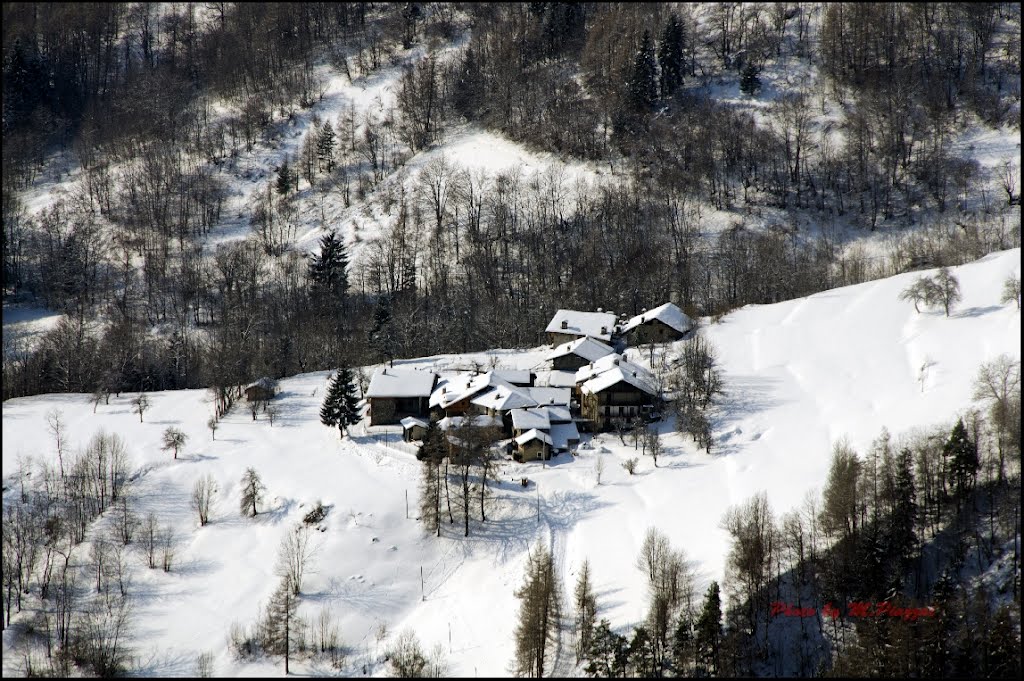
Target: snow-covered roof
452 389
668 314
534 435
562 433
559 414
607 379
265 382
583 324
480 421
561 378
504 397
586 347
390 382
547 395
410 421
609 362
525 419
513 376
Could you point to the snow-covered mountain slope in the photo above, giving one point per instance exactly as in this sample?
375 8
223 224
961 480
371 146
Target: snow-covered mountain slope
799 375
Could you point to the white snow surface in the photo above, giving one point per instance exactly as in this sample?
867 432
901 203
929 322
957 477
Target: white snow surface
799 375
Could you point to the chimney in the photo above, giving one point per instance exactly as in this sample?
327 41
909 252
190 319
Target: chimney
565 323
444 389
604 330
600 309
616 362
634 374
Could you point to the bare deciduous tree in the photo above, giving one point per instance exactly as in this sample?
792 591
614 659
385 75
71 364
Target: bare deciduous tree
293 556
252 492
202 497
140 404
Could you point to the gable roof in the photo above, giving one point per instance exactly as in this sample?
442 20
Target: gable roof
534 435
607 379
504 397
562 433
668 314
265 382
410 421
583 324
586 347
513 376
389 382
452 389
526 419
547 395
479 421
609 362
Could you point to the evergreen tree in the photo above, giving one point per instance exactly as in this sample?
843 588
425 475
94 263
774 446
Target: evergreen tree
468 93
750 82
671 52
607 654
432 453
279 622
285 181
903 518
540 614
325 143
683 646
641 653
961 455
643 83
339 407
382 335
709 632
328 271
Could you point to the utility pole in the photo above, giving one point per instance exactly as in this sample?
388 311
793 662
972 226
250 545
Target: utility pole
423 595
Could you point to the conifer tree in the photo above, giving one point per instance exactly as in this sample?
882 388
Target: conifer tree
709 632
671 55
252 492
285 181
540 614
586 610
325 143
468 93
339 407
431 453
643 83
328 271
382 335
607 654
750 82
961 455
641 653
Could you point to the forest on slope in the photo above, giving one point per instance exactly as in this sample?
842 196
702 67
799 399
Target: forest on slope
755 153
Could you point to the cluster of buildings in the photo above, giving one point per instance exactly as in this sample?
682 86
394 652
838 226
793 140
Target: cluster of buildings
591 386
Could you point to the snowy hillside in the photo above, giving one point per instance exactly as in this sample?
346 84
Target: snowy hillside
799 375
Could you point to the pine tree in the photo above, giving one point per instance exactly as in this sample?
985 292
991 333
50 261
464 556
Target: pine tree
961 455
709 632
683 646
328 272
607 654
641 653
643 83
325 143
468 93
285 181
671 51
750 82
540 614
339 407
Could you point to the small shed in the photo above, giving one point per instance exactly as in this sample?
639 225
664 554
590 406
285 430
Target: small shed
533 445
261 390
413 428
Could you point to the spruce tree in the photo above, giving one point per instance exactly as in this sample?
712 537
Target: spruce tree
961 455
339 407
382 335
607 654
325 143
328 272
586 610
468 93
641 653
749 80
709 632
671 56
285 181
643 84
